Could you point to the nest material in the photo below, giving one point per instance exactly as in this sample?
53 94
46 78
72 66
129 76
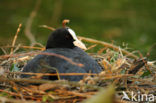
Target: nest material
126 73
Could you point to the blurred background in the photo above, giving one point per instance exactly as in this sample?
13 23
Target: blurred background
128 22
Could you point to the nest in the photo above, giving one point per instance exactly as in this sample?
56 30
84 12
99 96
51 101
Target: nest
122 71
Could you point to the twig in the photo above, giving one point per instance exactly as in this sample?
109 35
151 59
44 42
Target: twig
25 47
52 74
90 47
17 48
117 76
101 50
137 66
15 37
9 92
108 45
73 93
4 51
49 82
43 53
47 27
9 100
39 44
49 67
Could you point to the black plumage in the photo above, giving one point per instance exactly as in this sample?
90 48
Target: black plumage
61 42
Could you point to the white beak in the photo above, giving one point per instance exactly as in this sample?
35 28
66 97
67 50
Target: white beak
79 44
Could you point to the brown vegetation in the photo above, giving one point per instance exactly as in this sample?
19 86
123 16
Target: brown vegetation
123 69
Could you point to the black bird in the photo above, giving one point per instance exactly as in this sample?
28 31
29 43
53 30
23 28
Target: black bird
63 41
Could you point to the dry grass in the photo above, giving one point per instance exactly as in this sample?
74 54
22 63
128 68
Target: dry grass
125 70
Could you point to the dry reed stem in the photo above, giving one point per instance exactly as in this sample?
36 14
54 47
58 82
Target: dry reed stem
23 80
17 48
92 46
15 38
43 53
10 100
101 50
109 46
39 44
16 94
47 27
49 67
53 74
11 93
76 94
25 47
4 51
117 76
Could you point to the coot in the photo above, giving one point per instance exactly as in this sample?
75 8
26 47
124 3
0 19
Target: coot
63 41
